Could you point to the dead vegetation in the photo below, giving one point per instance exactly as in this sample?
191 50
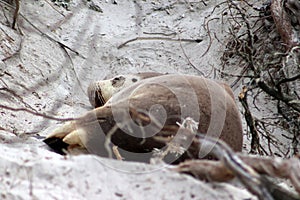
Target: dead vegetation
257 174
264 44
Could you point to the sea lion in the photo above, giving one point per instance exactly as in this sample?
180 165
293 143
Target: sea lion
132 110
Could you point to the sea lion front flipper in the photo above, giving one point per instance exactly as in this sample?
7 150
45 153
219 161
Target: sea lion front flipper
55 139
76 137
74 134
64 130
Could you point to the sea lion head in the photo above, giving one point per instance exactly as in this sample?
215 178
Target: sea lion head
100 92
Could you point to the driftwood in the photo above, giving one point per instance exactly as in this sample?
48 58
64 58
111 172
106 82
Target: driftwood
217 171
250 171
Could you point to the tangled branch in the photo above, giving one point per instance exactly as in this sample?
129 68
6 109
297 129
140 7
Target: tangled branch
248 170
265 44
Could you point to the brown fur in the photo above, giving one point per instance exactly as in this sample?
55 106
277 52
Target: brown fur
156 91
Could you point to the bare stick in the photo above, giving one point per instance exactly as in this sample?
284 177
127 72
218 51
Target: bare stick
117 153
250 122
285 80
51 5
36 113
158 38
209 36
16 13
283 24
287 99
186 56
246 175
44 34
217 171
246 169
274 167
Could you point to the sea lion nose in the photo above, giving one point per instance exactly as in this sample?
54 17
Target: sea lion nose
95 95
99 100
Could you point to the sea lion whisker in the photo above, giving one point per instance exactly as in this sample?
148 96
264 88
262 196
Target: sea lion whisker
101 98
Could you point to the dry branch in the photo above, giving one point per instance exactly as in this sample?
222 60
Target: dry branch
245 174
250 122
62 45
117 153
159 38
217 171
36 113
189 61
273 167
283 24
289 100
246 169
270 67
16 14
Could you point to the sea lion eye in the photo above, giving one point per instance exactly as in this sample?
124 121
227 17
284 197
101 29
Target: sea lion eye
134 80
118 81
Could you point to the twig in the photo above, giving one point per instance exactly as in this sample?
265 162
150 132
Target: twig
158 38
158 33
287 99
189 61
108 140
246 169
209 36
44 34
259 56
14 94
36 113
232 75
16 14
250 122
250 42
217 171
239 77
117 153
283 25
50 4
245 174
285 80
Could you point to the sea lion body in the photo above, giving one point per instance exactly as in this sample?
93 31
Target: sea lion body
151 107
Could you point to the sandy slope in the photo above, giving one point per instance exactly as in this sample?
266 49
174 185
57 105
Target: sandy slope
31 172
